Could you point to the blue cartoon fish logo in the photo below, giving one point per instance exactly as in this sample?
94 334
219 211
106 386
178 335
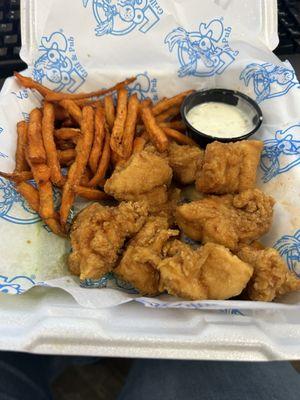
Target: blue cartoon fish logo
13 207
289 248
269 80
58 63
16 285
281 154
202 53
144 86
120 17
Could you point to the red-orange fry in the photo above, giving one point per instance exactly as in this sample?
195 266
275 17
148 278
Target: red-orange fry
35 146
65 156
31 84
55 96
103 164
178 125
21 163
170 113
119 124
156 134
130 126
49 144
67 134
138 145
110 112
73 110
179 137
98 139
165 104
77 169
17 177
30 194
46 209
90 193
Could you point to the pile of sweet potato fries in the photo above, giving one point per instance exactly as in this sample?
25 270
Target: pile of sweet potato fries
87 138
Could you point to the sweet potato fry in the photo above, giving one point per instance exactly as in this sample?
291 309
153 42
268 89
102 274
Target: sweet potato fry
178 137
73 110
66 156
69 123
103 164
86 177
55 226
31 84
46 209
65 144
119 124
138 145
67 134
49 144
98 139
55 96
146 103
157 135
21 163
77 169
178 125
41 173
164 105
130 126
90 193
110 112
30 194
17 177
60 113
36 150
170 113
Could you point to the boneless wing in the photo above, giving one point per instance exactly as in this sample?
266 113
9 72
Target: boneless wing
143 254
145 176
98 235
271 277
229 167
228 220
211 272
184 161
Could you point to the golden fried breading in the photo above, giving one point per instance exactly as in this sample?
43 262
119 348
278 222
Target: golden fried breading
184 161
145 176
98 235
168 209
228 220
143 253
229 167
271 277
211 272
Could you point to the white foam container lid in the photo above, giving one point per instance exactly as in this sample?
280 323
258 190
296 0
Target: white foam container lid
50 321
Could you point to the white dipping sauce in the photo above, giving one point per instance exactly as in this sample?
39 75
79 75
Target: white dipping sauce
220 120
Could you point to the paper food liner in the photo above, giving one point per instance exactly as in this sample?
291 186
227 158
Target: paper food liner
172 46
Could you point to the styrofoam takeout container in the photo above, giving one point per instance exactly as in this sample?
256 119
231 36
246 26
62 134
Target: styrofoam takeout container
47 320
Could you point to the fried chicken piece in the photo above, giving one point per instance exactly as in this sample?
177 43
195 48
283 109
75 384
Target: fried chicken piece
98 235
271 276
211 272
228 220
184 161
229 167
145 176
168 209
143 253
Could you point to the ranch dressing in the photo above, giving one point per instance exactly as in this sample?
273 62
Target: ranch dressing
220 120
